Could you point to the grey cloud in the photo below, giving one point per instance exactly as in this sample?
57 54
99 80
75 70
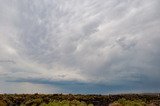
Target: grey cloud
107 42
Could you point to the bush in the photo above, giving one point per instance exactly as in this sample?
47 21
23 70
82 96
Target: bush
115 104
66 103
33 102
125 102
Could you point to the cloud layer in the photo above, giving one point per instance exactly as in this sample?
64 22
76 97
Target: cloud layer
79 46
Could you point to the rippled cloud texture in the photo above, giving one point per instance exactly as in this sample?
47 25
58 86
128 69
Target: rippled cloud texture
79 46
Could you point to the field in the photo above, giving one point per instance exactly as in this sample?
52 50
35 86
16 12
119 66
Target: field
79 100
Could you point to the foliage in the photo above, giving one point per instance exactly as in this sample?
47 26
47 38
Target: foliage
78 100
125 102
66 103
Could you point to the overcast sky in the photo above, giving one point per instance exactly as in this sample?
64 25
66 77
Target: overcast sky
79 46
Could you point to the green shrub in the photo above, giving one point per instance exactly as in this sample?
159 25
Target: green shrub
66 103
115 104
125 102
33 102
90 105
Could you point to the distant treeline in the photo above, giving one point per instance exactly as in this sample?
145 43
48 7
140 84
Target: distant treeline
82 100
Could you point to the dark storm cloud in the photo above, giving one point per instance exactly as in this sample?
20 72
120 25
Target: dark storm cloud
90 42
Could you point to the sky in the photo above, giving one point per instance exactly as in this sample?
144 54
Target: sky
79 46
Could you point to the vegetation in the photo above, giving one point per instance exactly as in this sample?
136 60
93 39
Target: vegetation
124 102
66 103
79 100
